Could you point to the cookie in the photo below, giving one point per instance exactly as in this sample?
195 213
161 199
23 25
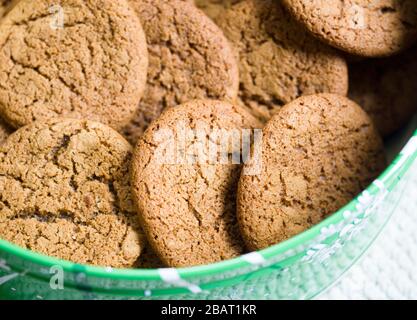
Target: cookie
66 193
359 27
386 89
187 202
318 153
189 59
79 59
214 8
279 61
5 131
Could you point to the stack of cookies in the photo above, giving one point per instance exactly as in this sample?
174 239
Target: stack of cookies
174 133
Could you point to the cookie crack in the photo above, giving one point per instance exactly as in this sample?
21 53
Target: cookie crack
112 189
32 19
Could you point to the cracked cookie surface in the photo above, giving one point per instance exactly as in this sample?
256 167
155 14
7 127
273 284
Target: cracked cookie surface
188 209
189 58
279 61
386 89
87 61
360 27
318 153
66 193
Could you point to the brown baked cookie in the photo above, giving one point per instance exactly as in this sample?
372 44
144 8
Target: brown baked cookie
279 61
65 192
360 27
185 197
214 8
189 59
5 131
318 153
386 89
80 59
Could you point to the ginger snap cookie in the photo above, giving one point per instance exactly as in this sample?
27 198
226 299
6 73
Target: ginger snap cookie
66 193
386 89
5 131
318 153
186 195
78 58
214 8
279 61
360 27
189 58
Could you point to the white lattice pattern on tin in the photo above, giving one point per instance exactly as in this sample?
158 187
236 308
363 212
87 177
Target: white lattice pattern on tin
387 271
254 258
8 278
172 277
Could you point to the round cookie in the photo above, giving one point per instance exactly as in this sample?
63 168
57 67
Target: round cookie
360 27
279 61
5 131
187 207
386 89
66 193
318 153
79 59
214 8
189 59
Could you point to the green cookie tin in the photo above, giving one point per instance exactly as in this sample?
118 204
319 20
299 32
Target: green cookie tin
300 268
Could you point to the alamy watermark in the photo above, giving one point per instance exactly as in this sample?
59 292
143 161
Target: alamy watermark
56 282
57 21
206 145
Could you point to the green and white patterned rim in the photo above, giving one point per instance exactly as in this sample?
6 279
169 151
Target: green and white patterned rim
335 226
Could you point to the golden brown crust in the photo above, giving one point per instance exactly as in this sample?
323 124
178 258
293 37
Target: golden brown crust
189 59
386 89
361 27
279 61
91 67
188 210
319 152
66 193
